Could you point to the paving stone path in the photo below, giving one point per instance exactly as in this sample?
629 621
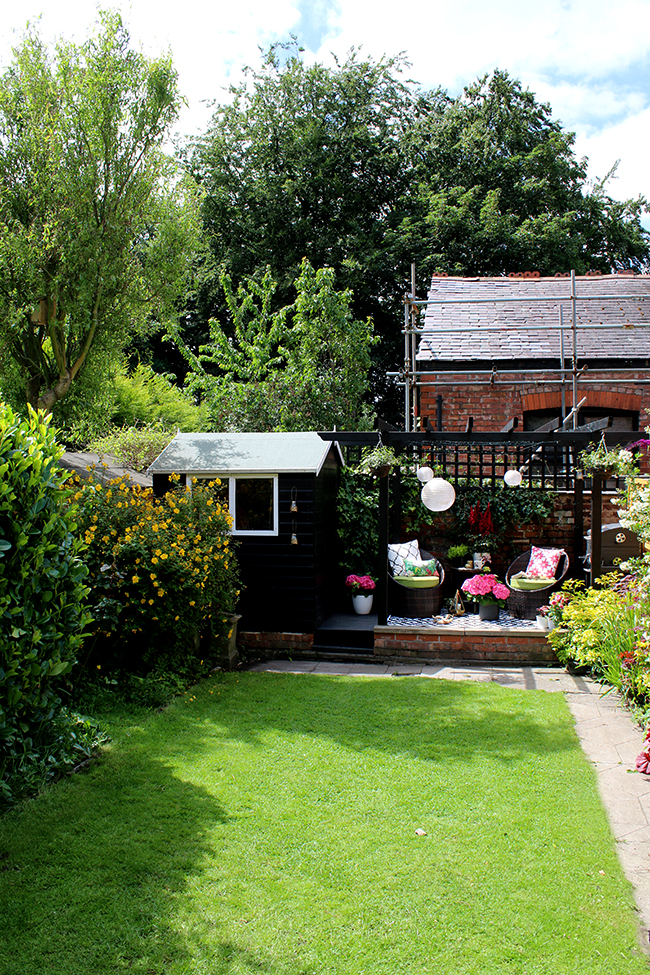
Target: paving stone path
609 737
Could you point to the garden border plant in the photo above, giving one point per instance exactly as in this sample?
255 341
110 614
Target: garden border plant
43 608
162 573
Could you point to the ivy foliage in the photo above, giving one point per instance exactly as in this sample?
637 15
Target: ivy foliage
509 508
42 592
358 515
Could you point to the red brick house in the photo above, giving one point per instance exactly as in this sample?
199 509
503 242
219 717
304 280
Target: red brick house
491 349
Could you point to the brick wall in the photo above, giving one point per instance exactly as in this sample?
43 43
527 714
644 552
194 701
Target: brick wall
262 641
493 405
470 646
556 532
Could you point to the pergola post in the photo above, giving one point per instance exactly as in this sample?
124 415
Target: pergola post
596 526
382 554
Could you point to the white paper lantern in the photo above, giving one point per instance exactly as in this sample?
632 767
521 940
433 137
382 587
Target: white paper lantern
438 494
512 478
425 474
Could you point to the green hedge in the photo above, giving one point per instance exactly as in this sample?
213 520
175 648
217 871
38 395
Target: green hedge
42 592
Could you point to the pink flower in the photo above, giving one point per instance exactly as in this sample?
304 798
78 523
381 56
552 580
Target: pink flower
481 586
360 584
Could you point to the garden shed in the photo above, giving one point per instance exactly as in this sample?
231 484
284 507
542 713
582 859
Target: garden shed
281 491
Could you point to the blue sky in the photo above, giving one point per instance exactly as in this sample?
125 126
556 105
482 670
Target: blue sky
589 58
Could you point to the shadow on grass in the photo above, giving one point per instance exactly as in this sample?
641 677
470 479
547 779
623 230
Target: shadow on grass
93 871
99 871
429 720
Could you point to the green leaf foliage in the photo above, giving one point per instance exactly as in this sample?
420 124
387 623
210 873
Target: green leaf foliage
42 589
303 367
161 572
357 168
98 226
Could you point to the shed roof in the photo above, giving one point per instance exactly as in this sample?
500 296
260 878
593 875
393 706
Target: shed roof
101 466
489 329
244 453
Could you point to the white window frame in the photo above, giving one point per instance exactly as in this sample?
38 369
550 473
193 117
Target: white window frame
232 482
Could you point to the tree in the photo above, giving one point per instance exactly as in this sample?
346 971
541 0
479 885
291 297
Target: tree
309 161
356 168
501 190
303 367
96 225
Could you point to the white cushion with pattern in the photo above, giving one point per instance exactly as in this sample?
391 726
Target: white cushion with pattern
398 553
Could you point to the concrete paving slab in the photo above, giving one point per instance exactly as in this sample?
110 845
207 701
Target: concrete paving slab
328 668
287 666
368 670
472 674
441 671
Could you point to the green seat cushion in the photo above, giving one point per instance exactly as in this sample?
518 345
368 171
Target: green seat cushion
417 582
528 585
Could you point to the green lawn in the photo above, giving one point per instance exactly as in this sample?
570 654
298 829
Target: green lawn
265 825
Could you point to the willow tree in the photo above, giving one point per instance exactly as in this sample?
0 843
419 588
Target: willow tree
95 224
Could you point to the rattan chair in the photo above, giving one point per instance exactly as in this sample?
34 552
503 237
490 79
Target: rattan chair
415 603
524 603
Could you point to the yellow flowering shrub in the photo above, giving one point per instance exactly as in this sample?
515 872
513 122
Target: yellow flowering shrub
160 569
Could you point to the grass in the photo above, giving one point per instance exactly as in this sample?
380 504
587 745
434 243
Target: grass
265 825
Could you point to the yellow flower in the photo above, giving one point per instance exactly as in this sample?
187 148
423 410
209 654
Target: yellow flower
152 575
164 555
154 560
135 579
151 602
192 603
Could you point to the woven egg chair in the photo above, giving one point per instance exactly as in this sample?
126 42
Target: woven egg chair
415 603
524 603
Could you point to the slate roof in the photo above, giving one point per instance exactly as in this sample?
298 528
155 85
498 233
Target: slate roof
497 330
243 453
104 467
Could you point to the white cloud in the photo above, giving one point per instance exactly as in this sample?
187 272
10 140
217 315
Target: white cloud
587 58
628 141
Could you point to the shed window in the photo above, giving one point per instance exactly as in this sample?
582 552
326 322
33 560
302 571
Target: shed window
253 503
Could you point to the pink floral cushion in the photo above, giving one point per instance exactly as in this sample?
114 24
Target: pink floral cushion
543 562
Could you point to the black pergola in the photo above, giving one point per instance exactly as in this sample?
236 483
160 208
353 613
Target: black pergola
561 446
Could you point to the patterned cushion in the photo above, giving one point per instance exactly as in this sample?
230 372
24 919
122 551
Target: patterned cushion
398 553
543 562
420 568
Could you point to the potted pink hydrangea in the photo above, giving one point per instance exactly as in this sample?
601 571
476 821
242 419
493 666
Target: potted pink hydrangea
361 589
490 594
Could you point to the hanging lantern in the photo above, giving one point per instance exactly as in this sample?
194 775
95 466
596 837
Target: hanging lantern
294 501
438 494
513 478
425 474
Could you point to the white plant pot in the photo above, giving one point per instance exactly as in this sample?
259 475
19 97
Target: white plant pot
542 622
362 604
